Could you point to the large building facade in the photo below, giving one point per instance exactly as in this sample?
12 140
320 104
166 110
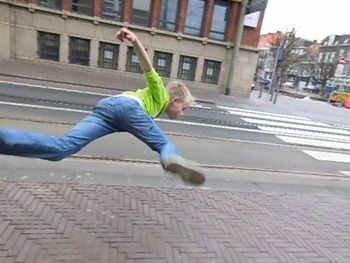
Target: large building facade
191 40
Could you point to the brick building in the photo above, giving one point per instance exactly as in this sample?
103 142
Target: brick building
187 39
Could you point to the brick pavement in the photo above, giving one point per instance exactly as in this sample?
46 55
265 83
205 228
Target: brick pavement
52 222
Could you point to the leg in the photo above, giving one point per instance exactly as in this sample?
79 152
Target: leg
55 148
144 128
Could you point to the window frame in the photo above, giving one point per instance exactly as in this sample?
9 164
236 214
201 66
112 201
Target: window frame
54 54
54 4
82 7
135 19
165 21
76 58
212 32
168 57
131 66
113 15
190 75
214 78
103 47
191 30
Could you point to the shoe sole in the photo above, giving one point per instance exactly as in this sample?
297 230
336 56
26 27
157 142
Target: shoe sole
188 175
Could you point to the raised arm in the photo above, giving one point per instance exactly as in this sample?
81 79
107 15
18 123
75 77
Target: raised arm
141 53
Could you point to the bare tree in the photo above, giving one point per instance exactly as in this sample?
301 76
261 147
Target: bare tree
323 72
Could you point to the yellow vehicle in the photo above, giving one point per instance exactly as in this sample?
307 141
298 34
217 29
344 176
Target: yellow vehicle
340 95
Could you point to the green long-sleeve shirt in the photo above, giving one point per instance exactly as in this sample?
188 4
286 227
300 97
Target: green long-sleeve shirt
154 97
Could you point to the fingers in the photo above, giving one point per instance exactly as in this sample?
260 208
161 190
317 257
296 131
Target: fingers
124 33
121 35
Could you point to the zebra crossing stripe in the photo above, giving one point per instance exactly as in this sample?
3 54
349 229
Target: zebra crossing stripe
315 142
329 156
295 126
309 134
346 173
260 113
278 118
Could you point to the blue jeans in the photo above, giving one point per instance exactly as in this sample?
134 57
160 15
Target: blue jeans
111 114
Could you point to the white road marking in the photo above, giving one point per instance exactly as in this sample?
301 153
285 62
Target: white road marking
295 126
279 118
314 142
263 129
262 113
329 156
346 173
305 134
54 88
42 107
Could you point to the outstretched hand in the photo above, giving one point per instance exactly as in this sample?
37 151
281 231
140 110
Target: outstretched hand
126 34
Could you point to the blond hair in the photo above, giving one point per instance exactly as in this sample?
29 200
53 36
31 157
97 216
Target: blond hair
177 89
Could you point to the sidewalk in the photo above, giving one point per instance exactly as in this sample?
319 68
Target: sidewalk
51 222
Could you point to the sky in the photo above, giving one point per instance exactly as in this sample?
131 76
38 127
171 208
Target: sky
312 19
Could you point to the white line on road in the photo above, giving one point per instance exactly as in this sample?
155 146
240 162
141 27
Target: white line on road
263 130
314 142
261 113
346 173
296 126
53 88
279 118
329 156
305 134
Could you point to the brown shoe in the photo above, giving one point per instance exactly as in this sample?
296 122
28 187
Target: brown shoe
187 170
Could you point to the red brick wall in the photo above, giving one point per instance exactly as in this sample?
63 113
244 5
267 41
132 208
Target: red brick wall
67 5
181 19
207 17
232 21
251 35
127 11
98 7
155 13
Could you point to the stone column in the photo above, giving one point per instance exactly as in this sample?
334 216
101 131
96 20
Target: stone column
94 53
64 48
123 49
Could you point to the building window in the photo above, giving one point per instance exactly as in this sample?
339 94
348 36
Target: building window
83 7
187 68
162 63
132 62
55 4
48 46
79 51
218 25
140 12
112 9
168 15
194 17
108 57
211 71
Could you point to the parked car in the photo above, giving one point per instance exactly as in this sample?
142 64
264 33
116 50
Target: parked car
288 84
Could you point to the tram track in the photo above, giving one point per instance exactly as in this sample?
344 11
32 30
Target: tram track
186 135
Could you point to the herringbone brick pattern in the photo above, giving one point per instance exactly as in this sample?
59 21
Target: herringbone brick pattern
50 222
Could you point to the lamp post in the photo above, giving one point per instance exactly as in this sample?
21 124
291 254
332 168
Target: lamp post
235 51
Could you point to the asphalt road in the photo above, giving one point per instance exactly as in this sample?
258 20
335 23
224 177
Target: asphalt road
232 142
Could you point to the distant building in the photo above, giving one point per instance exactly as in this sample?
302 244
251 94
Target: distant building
336 49
187 39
